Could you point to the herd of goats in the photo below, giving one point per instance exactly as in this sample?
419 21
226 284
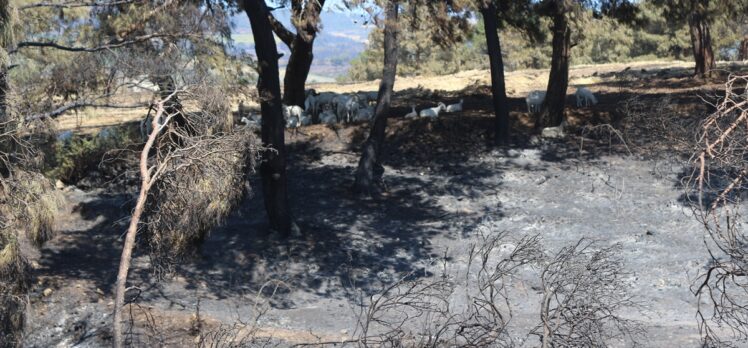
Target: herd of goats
332 108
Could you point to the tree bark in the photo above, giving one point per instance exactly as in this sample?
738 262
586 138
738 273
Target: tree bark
555 99
369 172
297 71
273 167
743 52
701 42
498 86
301 46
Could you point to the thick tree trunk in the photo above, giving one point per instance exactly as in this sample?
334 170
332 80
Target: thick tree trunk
370 170
701 42
498 87
297 71
301 46
273 167
555 99
743 52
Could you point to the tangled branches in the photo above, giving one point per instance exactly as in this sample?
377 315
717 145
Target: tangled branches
719 178
466 308
583 291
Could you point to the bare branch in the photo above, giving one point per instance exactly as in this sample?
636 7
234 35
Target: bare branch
77 4
79 105
109 46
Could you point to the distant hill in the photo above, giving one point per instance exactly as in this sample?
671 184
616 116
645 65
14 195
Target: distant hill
343 37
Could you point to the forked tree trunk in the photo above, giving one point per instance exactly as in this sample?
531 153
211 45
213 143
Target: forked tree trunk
301 45
370 170
555 99
701 42
273 167
498 87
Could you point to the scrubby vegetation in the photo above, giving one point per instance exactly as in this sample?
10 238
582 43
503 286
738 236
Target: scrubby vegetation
514 212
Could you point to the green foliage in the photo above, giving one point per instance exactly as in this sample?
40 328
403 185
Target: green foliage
76 157
597 40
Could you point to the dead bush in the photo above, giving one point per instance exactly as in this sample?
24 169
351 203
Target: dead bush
719 179
657 124
583 294
28 206
200 186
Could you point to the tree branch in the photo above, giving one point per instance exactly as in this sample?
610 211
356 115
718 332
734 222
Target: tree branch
77 4
80 104
109 46
279 29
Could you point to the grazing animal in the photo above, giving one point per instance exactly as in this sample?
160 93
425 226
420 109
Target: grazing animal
455 107
290 111
252 122
534 101
310 104
347 107
413 113
327 116
585 97
433 112
306 119
365 114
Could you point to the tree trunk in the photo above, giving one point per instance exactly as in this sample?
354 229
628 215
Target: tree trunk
743 53
273 167
498 87
555 99
297 71
6 123
701 42
301 46
370 170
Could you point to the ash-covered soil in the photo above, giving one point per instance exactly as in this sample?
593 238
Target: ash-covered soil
447 191
307 289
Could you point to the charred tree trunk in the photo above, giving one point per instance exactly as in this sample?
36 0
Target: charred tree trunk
301 46
273 168
701 42
743 53
370 170
297 71
498 87
555 99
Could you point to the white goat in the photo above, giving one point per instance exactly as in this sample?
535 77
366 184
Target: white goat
455 107
413 113
535 101
585 97
290 111
433 112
